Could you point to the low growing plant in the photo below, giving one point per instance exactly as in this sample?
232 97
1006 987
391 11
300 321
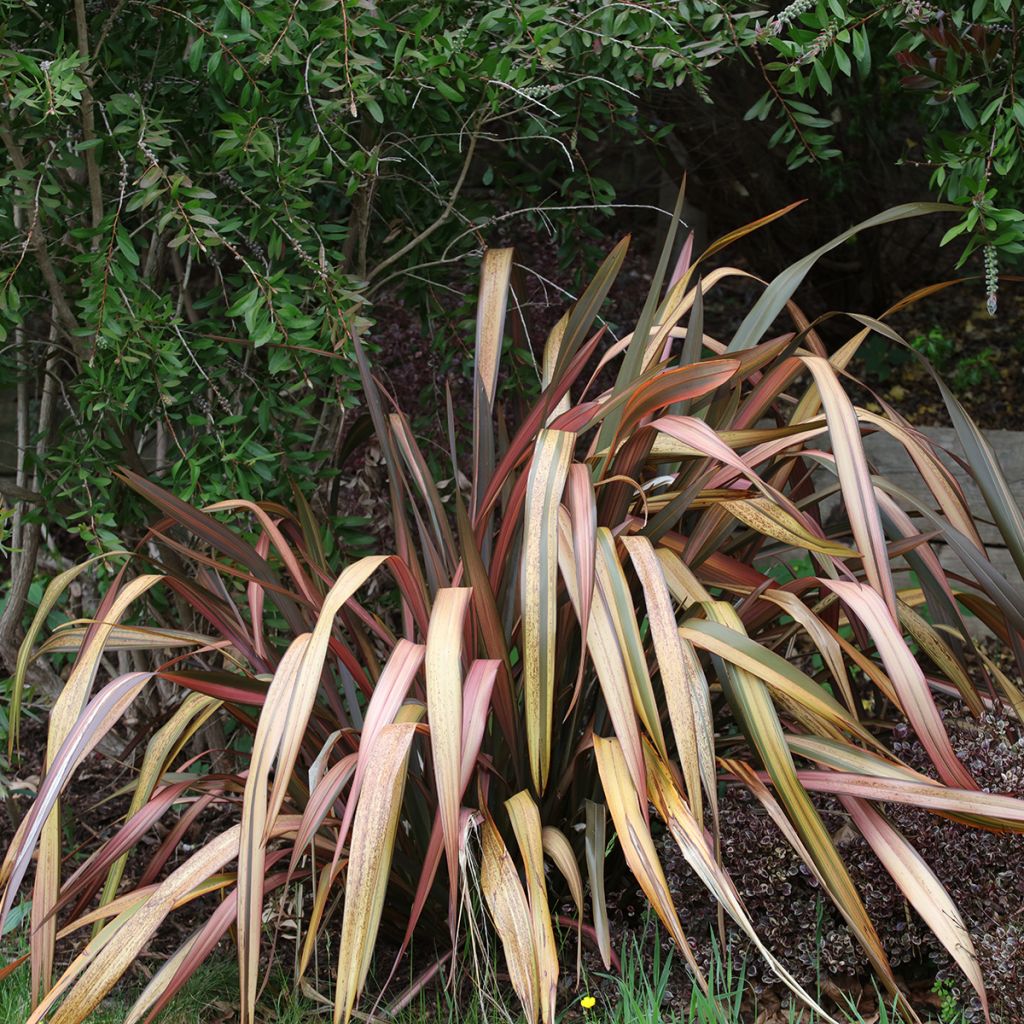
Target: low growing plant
964 370
586 631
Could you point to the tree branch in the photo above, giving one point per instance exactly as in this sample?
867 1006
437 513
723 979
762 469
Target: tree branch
23 562
444 215
37 236
89 123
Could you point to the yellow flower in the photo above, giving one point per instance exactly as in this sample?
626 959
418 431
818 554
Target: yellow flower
588 1002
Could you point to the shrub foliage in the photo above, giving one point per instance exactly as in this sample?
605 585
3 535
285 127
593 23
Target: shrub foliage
201 197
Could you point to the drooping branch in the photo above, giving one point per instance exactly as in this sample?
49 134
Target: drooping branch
442 217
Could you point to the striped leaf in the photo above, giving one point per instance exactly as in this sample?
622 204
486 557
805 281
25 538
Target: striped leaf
372 846
638 846
752 704
539 577
495 274
854 479
444 707
252 844
510 911
595 851
686 694
525 818
924 892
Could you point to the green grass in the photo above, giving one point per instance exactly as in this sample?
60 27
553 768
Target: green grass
641 995
216 981
14 994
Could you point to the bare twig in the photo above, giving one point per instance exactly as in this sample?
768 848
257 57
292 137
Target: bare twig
442 217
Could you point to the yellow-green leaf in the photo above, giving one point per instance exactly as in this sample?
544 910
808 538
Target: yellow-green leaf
539 579
444 707
525 818
370 852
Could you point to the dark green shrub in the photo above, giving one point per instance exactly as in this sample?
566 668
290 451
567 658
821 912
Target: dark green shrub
203 197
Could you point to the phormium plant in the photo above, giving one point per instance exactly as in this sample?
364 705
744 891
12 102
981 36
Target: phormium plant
554 645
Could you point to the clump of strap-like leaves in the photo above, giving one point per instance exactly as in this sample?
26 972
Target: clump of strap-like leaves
542 661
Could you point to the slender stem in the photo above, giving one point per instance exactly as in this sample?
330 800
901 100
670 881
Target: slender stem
37 236
24 567
107 26
444 215
21 478
89 123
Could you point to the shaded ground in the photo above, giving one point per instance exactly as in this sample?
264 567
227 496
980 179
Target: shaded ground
980 356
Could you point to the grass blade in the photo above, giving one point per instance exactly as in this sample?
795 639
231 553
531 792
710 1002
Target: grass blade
769 519
582 504
582 315
166 743
92 725
607 659
614 590
796 688
689 835
388 694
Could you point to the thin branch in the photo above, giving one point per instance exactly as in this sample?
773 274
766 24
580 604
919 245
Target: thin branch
37 234
89 123
21 477
108 24
444 215
23 564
